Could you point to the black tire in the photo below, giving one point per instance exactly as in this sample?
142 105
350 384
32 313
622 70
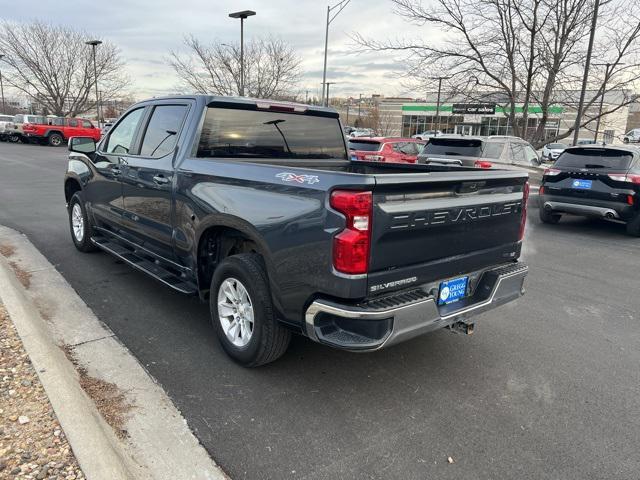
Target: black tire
633 226
269 340
55 139
625 140
548 217
83 244
14 138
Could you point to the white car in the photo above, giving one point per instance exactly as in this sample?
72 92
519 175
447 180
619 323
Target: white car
362 132
632 136
4 121
426 135
551 151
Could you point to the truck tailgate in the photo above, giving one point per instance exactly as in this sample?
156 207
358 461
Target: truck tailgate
430 227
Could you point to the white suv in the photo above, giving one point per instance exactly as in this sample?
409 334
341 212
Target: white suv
632 136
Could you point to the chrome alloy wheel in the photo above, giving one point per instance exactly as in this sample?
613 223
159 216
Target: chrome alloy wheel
235 311
77 222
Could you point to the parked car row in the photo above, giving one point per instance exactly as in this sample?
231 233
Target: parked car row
51 130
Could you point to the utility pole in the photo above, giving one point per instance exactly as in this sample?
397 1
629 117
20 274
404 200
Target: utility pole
326 99
2 86
339 6
242 16
306 97
94 44
359 104
585 78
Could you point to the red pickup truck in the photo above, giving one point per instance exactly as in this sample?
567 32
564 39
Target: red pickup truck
57 130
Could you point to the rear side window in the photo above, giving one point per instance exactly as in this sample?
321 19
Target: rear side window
454 146
493 150
236 133
121 137
162 132
365 146
73 122
609 159
58 121
18 119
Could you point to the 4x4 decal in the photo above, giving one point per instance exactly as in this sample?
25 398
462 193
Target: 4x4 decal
292 177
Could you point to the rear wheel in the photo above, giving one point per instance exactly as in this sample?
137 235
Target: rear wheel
633 226
14 138
242 312
548 217
55 139
625 140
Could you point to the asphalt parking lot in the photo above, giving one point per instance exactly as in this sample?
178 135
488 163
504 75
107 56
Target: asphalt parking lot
547 388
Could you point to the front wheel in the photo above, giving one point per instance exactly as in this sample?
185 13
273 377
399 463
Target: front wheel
625 140
242 312
79 225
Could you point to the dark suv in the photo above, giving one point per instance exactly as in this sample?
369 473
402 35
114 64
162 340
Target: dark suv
594 181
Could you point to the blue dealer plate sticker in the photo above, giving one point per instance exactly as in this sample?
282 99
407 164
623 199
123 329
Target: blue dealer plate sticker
452 290
582 184
353 157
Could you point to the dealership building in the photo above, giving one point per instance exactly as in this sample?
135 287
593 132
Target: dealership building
406 117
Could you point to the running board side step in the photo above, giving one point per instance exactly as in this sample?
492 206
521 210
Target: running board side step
151 268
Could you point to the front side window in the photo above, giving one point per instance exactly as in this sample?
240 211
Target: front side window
517 154
235 133
86 124
121 137
162 132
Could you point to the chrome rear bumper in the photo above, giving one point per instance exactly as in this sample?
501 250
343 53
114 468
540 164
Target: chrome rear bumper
577 209
416 312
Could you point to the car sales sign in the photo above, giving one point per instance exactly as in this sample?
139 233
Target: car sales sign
473 109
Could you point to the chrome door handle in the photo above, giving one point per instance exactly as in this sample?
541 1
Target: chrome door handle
161 179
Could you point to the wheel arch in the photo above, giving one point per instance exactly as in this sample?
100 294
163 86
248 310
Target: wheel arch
71 186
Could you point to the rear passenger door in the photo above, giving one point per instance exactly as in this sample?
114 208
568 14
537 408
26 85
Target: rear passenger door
147 179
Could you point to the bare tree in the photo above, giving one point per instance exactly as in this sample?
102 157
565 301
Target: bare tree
519 52
272 68
381 121
53 66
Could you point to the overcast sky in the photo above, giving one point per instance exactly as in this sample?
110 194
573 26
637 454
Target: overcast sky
146 30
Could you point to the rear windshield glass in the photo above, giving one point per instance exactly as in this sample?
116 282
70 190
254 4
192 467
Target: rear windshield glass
266 134
366 146
595 158
453 146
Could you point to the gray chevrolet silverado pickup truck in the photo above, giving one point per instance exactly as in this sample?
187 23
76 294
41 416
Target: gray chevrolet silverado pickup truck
254 206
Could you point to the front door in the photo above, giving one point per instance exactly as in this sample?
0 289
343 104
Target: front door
464 129
148 181
104 194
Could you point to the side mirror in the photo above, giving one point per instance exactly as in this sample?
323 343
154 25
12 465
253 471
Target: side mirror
84 145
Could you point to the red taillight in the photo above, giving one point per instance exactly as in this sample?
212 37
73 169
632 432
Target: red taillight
525 199
550 172
351 245
630 199
623 177
482 164
541 190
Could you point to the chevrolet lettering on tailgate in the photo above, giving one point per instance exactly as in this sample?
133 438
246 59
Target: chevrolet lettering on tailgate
449 216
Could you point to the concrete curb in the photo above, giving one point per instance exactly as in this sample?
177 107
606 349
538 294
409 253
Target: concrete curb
160 444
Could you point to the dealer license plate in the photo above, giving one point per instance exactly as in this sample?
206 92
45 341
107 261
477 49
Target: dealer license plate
452 290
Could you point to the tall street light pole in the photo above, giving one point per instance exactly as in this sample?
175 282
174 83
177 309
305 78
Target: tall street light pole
242 16
94 44
440 79
594 23
604 91
2 86
359 104
330 18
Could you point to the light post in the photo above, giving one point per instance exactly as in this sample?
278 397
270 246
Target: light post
94 44
242 16
604 91
359 104
438 101
585 77
330 18
2 86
